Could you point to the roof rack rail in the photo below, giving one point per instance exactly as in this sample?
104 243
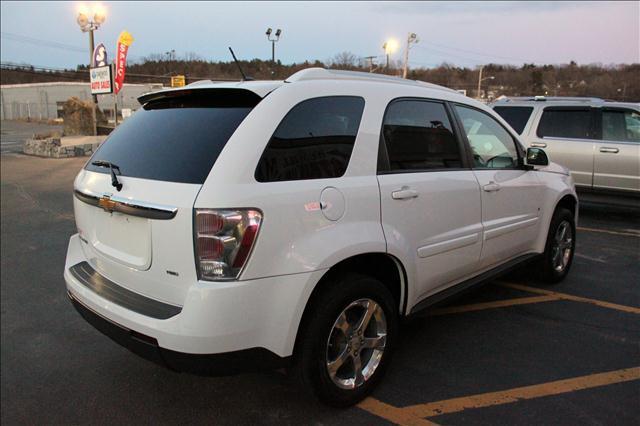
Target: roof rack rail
329 74
551 99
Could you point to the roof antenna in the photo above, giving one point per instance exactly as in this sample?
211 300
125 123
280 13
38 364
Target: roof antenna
244 77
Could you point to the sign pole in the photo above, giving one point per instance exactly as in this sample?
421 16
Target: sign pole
115 104
115 109
94 97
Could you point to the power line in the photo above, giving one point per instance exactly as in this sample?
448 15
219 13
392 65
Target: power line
47 43
492 55
466 58
38 42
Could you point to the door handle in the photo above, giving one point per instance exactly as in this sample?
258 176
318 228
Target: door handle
491 187
404 193
609 150
538 144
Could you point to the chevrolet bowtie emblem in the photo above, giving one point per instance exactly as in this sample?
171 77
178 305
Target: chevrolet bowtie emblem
106 204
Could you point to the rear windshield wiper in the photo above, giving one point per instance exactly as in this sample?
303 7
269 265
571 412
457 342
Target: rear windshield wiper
114 179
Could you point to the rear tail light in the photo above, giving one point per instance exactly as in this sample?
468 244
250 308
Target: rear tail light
223 241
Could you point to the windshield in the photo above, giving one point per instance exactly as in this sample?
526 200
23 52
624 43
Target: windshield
175 139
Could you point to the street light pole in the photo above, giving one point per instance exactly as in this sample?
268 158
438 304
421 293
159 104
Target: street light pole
480 80
412 38
87 25
273 42
92 47
389 47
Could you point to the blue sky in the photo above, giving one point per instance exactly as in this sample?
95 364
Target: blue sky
462 33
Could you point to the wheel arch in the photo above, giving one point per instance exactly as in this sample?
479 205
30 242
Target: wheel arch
566 199
382 266
570 202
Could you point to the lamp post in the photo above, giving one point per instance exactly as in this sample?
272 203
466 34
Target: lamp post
411 38
273 42
389 47
480 80
90 25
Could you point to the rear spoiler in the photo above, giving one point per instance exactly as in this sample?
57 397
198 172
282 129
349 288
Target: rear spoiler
178 93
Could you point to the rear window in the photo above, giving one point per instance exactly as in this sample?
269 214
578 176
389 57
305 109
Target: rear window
517 117
566 123
176 139
313 141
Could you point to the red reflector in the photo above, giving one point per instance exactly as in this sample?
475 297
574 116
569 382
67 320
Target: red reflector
245 246
210 248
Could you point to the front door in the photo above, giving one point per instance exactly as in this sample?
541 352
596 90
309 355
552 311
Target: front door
511 196
430 200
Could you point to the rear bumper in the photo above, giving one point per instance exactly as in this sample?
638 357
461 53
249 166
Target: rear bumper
254 359
218 320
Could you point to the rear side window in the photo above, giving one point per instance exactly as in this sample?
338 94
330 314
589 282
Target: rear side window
313 141
621 125
176 139
418 136
517 117
566 123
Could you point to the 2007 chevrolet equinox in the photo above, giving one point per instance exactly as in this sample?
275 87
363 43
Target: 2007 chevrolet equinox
235 226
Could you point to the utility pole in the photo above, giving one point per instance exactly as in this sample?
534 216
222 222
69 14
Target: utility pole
370 60
479 81
412 38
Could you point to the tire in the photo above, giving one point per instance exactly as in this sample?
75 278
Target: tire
557 258
334 314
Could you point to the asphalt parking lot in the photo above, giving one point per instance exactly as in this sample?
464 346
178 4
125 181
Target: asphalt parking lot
511 352
15 132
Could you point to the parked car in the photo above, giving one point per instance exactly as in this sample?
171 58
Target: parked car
237 226
599 141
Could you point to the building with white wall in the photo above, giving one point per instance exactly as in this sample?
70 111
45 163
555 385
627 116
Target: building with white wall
44 100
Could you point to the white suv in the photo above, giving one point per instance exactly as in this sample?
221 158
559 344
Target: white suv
237 226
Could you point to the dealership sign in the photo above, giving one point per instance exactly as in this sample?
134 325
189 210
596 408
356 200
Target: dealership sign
100 56
101 80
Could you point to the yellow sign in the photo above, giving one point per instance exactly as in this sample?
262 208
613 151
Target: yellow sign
178 81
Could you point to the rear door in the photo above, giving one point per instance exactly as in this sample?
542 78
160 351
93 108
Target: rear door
141 236
568 135
617 155
429 196
511 196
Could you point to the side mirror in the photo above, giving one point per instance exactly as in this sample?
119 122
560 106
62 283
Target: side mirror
537 157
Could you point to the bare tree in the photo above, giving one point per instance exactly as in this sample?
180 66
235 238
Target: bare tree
346 60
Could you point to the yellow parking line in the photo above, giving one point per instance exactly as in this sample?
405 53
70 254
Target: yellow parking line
527 392
564 296
492 305
393 414
605 231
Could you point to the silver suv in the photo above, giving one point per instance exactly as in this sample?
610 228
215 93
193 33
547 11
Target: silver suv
598 140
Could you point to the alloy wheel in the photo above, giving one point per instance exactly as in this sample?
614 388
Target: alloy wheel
356 344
